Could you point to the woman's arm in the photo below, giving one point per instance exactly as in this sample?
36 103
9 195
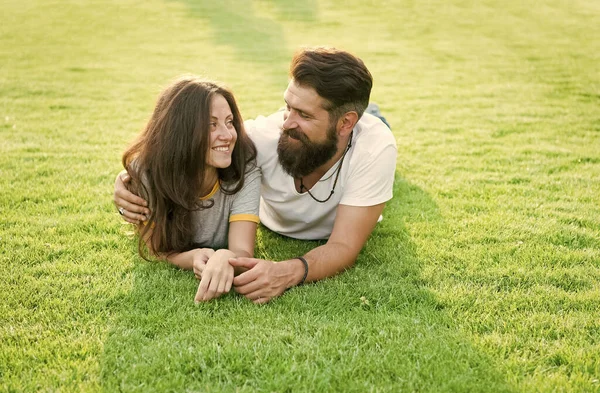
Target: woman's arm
194 259
217 276
242 237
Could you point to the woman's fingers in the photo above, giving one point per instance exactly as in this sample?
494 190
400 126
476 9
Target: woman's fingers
202 288
228 284
213 284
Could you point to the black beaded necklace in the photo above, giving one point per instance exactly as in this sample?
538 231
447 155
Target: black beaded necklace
337 175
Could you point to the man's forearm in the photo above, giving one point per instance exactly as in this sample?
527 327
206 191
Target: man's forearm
324 261
328 260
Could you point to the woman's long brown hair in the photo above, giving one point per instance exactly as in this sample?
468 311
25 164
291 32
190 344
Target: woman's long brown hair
170 156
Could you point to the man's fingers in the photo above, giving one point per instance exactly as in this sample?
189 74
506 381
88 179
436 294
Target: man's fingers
261 300
123 199
246 289
124 176
129 220
133 217
249 275
126 199
245 278
257 298
248 263
131 211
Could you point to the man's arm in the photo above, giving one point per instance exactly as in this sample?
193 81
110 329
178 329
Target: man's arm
266 279
353 226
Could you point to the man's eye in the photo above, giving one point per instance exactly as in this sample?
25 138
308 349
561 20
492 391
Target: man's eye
303 115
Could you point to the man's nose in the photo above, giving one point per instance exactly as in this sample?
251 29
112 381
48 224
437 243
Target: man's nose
289 120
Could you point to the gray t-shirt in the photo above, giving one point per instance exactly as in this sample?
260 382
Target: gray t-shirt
212 224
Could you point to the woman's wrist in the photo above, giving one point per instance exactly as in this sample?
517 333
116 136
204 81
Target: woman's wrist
222 256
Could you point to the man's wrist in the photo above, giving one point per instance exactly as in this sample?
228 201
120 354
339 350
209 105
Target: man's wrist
297 270
305 265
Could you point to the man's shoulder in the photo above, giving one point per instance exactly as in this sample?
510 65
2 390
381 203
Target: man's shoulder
264 132
264 128
374 132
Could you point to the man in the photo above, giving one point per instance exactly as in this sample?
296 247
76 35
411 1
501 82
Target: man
327 171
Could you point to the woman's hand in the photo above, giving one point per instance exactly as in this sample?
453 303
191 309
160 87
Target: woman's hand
217 276
199 258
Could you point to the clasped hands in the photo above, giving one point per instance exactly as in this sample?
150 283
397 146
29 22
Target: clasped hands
259 280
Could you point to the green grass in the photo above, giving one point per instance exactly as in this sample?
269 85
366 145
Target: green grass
483 277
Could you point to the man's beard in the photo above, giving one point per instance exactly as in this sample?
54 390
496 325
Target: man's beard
299 156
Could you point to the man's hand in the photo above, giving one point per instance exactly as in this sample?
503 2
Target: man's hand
132 208
217 276
200 257
265 280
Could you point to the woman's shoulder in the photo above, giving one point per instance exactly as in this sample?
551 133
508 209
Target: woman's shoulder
252 174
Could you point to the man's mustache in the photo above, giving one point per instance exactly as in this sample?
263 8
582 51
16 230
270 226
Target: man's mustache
295 133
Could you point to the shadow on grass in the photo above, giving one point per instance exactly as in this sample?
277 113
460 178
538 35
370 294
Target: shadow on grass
374 328
255 39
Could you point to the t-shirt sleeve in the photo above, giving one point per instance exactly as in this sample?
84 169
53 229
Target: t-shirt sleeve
371 182
264 132
245 203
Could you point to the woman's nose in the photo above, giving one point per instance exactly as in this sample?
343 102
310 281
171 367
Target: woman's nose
225 133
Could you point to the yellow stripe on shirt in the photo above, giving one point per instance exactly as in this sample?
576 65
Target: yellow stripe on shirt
211 193
244 217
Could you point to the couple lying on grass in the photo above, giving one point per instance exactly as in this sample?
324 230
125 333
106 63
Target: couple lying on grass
198 178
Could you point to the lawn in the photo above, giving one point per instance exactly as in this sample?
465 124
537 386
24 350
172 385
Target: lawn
484 275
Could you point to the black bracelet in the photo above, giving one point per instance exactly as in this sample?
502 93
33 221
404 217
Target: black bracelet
305 270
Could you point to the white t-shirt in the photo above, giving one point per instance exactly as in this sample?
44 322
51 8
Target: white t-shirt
366 178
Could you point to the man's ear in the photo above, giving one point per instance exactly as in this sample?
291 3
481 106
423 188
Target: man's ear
346 123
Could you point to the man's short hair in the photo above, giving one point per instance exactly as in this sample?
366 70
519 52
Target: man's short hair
339 77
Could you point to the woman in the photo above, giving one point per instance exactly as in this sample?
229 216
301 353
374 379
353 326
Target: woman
195 165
